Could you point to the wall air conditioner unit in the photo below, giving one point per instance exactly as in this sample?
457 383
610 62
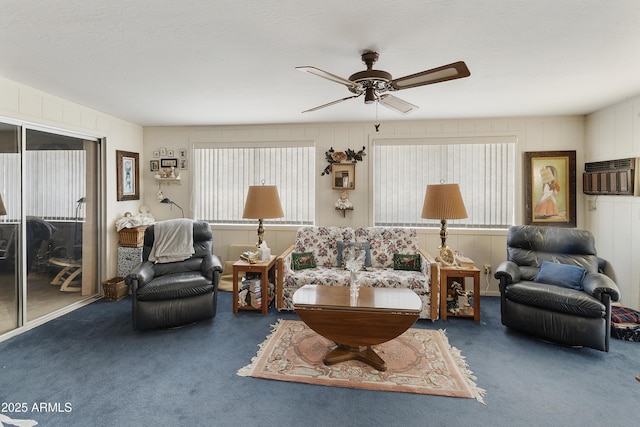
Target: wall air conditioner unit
614 177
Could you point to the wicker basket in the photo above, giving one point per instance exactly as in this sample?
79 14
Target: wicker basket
132 237
115 289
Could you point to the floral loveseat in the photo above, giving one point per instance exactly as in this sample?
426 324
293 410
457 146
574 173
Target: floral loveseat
324 242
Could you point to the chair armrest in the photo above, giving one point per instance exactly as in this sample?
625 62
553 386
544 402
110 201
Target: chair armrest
431 268
598 284
507 272
210 264
141 274
283 262
426 260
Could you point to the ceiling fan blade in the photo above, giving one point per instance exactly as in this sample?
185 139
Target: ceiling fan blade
396 104
330 103
329 76
457 70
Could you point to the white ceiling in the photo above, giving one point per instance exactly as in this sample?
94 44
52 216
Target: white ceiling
190 62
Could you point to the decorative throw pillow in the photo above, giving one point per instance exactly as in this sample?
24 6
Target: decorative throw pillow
358 247
565 275
408 262
302 260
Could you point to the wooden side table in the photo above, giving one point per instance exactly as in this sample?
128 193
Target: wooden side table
447 276
267 272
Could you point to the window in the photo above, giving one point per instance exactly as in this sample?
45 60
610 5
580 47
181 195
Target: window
484 167
223 174
47 171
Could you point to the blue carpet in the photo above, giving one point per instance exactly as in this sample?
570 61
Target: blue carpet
89 368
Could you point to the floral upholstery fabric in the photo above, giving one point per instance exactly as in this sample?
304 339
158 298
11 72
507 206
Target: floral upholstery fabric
322 241
388 241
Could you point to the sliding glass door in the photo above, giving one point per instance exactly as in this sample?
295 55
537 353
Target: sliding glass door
10 221
52 187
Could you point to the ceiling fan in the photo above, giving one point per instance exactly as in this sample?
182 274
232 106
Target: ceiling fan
374 84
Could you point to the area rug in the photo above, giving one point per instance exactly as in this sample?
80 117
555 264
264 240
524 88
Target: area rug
418 361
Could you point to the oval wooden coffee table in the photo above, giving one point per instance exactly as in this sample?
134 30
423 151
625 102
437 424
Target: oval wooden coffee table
377 315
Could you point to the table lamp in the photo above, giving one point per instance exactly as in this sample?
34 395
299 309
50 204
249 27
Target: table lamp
443 202
262 202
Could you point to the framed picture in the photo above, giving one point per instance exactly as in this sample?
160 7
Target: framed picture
170 153
163 151
167 163
183 164
183 153
154 165
128 175
550 192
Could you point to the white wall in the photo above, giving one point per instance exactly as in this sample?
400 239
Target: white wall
614 133
483 246
611 133
24 104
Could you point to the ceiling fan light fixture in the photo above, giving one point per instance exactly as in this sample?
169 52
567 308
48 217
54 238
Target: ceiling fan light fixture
369 96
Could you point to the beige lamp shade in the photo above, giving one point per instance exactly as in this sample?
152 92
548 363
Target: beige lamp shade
3 210
262 202
443 201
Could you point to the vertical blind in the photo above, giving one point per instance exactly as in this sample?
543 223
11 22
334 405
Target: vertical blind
46 173
222 176
483 167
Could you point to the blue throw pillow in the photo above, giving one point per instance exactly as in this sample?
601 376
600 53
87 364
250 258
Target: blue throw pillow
565 275
359 247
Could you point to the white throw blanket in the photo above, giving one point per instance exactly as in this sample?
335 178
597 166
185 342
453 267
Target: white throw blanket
173 241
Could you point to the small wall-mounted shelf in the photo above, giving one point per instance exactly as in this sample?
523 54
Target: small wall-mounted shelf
344 211
344 176
169 181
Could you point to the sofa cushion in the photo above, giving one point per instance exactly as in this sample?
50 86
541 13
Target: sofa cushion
302 260
362 246
389 278
565 275
409 262
386 241
322 241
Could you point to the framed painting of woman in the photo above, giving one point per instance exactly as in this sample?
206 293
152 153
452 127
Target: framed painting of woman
550 188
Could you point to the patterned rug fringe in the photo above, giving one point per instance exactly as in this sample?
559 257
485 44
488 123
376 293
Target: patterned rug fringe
464 367
460 361
247 370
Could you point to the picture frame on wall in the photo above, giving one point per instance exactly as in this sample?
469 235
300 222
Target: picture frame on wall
127 175
550 188
168 163
154 165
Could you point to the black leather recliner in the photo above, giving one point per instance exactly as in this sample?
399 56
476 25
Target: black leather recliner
578 317
176 293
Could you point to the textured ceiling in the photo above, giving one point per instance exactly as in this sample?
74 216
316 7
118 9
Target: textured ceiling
188 62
